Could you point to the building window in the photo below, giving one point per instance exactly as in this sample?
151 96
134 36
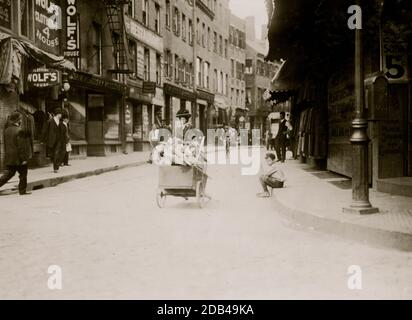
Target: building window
232 67
203 35
182 66
157 19
215 81
116 55
26 18
176 68
190 74
158 69
198 39
209 39
226 48
96 44
145 12
249 66
206 75
167 14
176 21
248 96
239 71
146 65
221 82
131 9
221 45
183 27
190 32
168 64
215 42
133 57
226 84
199 72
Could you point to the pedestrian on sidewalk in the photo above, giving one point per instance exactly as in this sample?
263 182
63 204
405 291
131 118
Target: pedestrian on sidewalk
18 150
53 139
281 138
273 177
66 145
154 136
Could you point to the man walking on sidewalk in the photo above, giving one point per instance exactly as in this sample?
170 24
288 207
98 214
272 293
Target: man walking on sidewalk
273 177
53 138
66 146
18 150
281 138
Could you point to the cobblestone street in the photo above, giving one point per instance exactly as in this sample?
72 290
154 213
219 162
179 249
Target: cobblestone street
112 242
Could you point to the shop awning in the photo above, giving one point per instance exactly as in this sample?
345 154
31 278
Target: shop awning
279 96
13 50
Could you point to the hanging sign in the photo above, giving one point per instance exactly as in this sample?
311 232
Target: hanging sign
48 24
395 51
43 78
72 42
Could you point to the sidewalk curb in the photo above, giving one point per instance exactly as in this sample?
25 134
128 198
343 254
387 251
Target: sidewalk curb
367 235
54 181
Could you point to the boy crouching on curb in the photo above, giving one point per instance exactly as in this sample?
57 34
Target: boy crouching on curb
273 177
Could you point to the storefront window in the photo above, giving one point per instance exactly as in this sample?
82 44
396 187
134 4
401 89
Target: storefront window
128 120
137 122
112 119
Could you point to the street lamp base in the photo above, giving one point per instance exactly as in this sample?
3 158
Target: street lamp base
360 210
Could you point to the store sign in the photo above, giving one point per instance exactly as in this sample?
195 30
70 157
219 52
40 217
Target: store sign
43 78
395 52
48 18
5 14
142 34
93 82
149 87
72 44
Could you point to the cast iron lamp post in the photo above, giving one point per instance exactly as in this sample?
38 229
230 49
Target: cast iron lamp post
359 139
65 87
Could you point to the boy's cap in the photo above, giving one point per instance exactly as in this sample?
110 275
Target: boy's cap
270 155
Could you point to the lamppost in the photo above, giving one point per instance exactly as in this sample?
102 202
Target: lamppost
359 139
65 87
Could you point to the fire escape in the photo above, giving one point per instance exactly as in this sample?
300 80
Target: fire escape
115 19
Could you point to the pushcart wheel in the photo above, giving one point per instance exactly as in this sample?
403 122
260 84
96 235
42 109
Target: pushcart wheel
200 196
160 198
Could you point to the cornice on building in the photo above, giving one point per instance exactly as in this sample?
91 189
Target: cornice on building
202 6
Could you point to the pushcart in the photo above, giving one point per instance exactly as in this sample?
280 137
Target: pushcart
182 181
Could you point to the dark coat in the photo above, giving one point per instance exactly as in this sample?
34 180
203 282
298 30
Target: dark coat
17 146
52 134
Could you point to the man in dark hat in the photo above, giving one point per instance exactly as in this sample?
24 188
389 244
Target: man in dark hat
53 138
18 150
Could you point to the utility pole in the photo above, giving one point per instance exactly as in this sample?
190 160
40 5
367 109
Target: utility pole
359 139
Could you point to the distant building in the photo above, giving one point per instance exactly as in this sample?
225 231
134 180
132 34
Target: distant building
237 54
259 74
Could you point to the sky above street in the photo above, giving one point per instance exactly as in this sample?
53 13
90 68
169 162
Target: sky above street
244 8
